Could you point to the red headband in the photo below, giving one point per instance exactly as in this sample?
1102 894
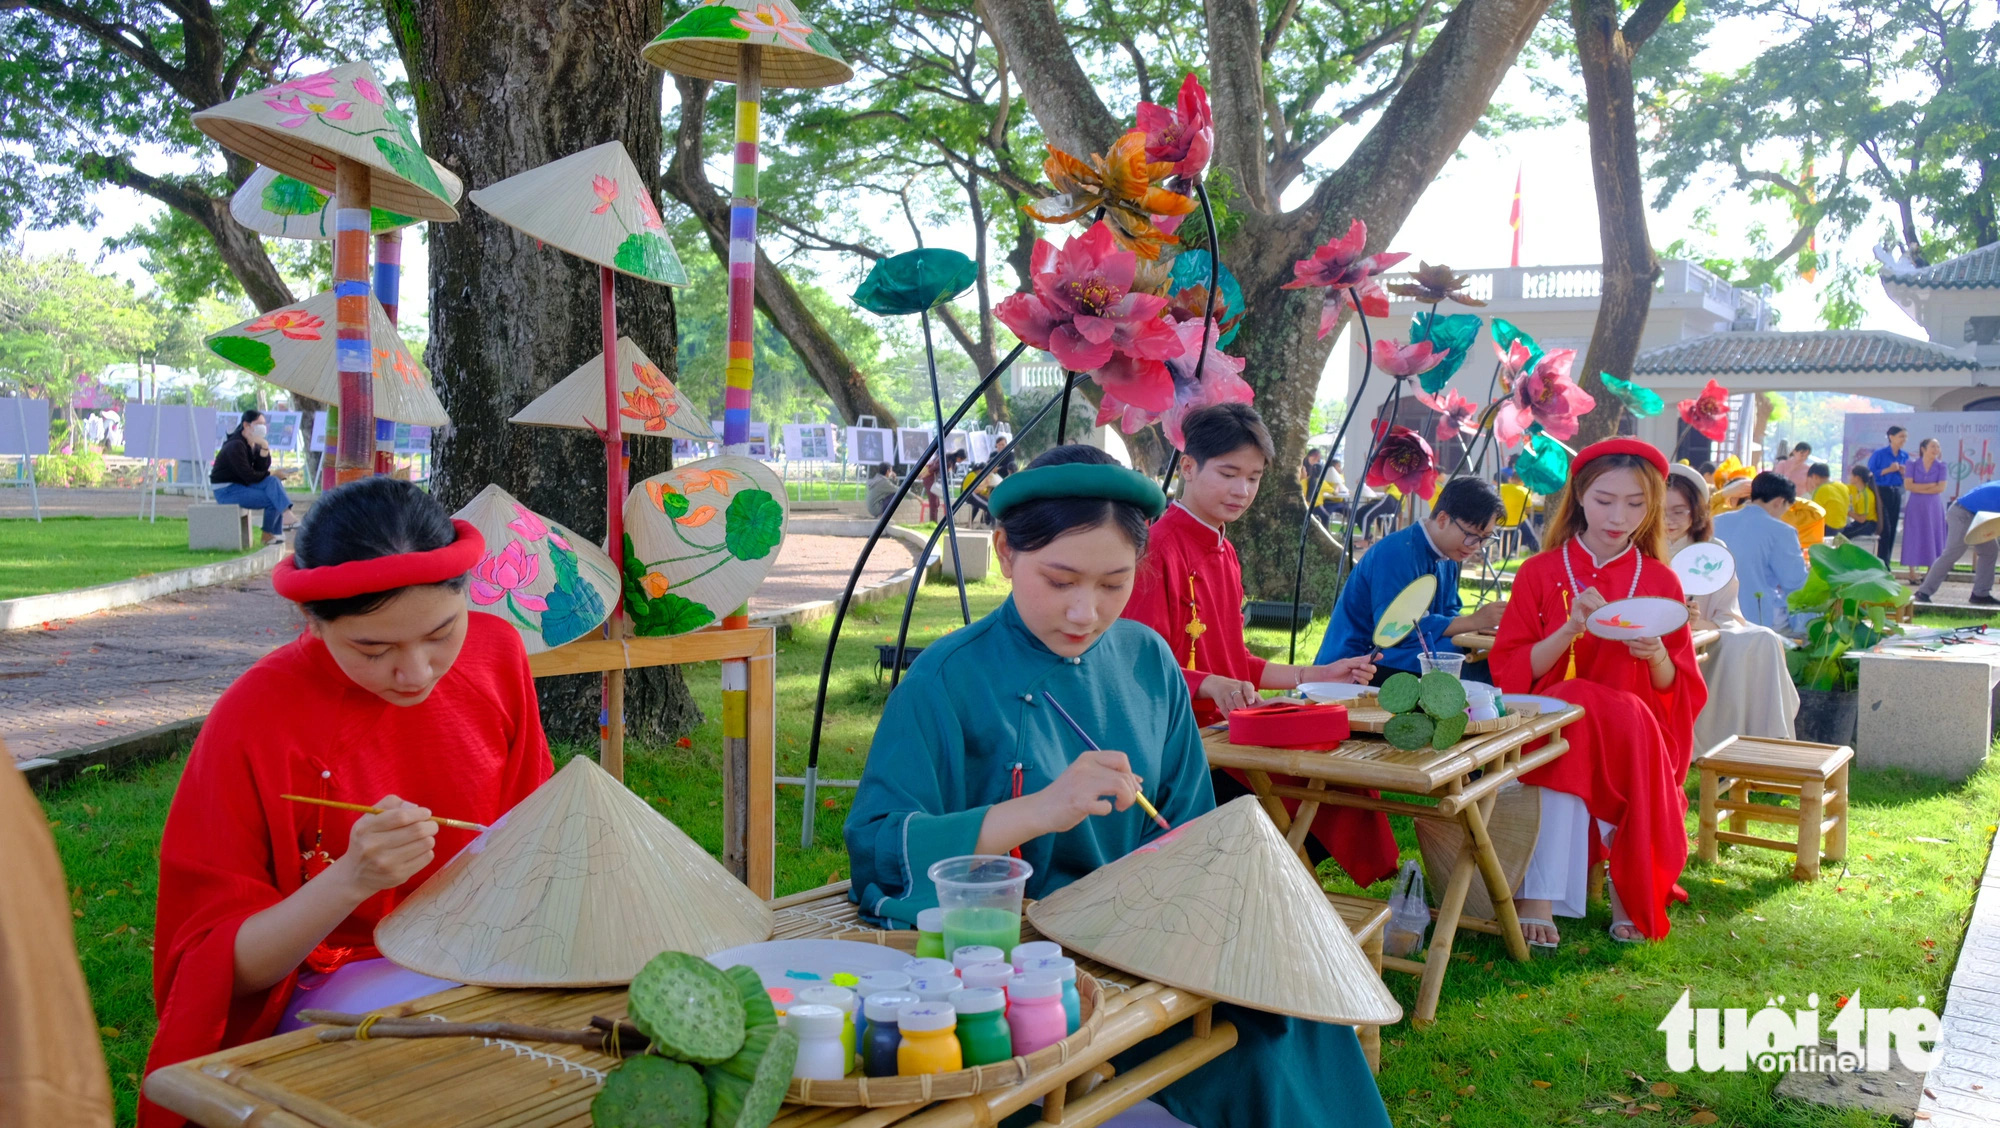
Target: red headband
383 573
1634 447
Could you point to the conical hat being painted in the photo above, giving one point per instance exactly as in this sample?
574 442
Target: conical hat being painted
550 584
706 40
1221 906
578 886
593 205
285 207
702 536
292 347
653 404
299 127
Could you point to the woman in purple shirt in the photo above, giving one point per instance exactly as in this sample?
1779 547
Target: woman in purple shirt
1923 521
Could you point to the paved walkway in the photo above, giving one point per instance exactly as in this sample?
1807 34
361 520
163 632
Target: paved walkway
77 682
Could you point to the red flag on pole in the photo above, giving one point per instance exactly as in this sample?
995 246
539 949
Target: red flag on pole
1514 220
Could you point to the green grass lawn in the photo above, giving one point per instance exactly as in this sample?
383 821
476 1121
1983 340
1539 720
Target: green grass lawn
1581 1020
824 491
61 553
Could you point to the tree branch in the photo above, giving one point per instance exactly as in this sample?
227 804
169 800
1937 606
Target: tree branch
1065 101
140 51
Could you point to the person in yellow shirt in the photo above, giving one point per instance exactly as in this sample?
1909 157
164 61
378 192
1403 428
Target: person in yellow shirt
1516 498
1832 496
1809 519
1861 516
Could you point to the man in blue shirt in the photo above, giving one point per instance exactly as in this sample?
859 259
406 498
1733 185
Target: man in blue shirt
1887 467
1769 563
1958 519
1461 524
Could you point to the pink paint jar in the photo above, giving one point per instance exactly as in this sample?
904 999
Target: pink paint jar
1035 1013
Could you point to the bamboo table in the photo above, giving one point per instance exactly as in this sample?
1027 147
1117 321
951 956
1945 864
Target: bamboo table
1368 762
1476 644
750 729
296 1081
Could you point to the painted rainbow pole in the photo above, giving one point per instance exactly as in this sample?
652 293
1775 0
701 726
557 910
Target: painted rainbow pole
354 355
389 270
743 254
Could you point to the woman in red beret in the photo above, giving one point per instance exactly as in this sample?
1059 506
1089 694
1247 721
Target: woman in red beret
1618 793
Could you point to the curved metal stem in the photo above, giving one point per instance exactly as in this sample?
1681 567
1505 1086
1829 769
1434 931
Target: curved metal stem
1326 467
1062 421
944 474
1207 313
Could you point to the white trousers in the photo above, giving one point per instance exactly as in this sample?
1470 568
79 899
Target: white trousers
1559 869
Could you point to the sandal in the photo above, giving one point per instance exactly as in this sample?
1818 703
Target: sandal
1538 943
1637 937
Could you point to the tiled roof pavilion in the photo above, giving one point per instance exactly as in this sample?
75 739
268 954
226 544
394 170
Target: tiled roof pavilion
1778 353
1972 270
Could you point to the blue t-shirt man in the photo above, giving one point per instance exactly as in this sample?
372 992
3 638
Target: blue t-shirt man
1959 517
1887 467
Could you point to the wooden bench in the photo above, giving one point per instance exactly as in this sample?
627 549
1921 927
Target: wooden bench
1815 774
1368 920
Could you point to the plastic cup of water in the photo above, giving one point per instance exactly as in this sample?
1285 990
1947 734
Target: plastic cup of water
1449 662
981 898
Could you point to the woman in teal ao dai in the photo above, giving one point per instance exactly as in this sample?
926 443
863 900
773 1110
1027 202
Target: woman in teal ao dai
970 759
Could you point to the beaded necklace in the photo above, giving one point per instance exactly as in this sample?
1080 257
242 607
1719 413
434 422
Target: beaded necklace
1575 589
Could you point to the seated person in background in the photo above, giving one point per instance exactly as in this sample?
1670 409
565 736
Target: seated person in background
1461 523
1860 503
1831 496
1809 519
881 487
1002 460
1189 589
970 759
1322 507
1770 563
1517 499
242 475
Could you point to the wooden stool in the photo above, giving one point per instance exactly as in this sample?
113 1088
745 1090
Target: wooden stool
1368 920
1815 773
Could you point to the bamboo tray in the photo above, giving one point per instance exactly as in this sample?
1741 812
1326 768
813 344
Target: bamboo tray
1374 718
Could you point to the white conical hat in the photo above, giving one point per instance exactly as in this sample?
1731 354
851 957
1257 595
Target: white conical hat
578 886
593 205
707 40
293 347
654 405
285 207
703 537
544 580
298 127
1221 906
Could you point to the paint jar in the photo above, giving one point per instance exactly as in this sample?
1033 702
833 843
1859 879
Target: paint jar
1064 969
983 1035
822 1056
930 934
1482 701
995 974
885 1037
976 953
869 984
1033 950
930 1040
981 898
1034 1012
934 988
842 998
928 968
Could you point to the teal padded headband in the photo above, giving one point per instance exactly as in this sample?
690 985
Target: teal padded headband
1079 479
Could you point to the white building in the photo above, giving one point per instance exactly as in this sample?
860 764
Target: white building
1700 328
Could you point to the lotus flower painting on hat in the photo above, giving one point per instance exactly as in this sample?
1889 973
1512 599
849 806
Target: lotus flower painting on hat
707 39
594 205
551 584
293 347
1708 412
652 403
1121 183
698 540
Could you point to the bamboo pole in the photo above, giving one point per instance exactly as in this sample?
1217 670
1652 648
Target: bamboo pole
353 351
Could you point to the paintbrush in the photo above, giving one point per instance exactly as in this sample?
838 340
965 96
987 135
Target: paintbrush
367 810
1138 796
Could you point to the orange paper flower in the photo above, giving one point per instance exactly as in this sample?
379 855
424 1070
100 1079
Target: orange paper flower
1121 182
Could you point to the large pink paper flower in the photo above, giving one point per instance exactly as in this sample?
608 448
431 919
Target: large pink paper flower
1339 262
505 575
1513 361
1458 415
1403 361
1182 136
1221 382
1546 396
1083 308
1403 460
1708 412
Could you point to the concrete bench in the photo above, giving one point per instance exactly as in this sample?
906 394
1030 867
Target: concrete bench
213 527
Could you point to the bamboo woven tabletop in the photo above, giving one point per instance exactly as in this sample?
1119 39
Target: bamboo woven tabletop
295 1081
1371 762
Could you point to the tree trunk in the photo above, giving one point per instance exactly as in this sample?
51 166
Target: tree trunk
686 180
501 88
1630 269
1419 130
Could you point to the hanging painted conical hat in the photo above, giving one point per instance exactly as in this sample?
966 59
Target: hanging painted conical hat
701 538
577 886
593 205
548 583
299 127
706 40
1516 820
653 404
292 347
285 207
1221 906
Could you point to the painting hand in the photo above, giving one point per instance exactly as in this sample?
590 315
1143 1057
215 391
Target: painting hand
386 850
1081 790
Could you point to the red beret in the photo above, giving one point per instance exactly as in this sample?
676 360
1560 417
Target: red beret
1634 447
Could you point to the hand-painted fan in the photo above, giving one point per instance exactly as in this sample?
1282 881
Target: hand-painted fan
1703 568
1404 611
1648 616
